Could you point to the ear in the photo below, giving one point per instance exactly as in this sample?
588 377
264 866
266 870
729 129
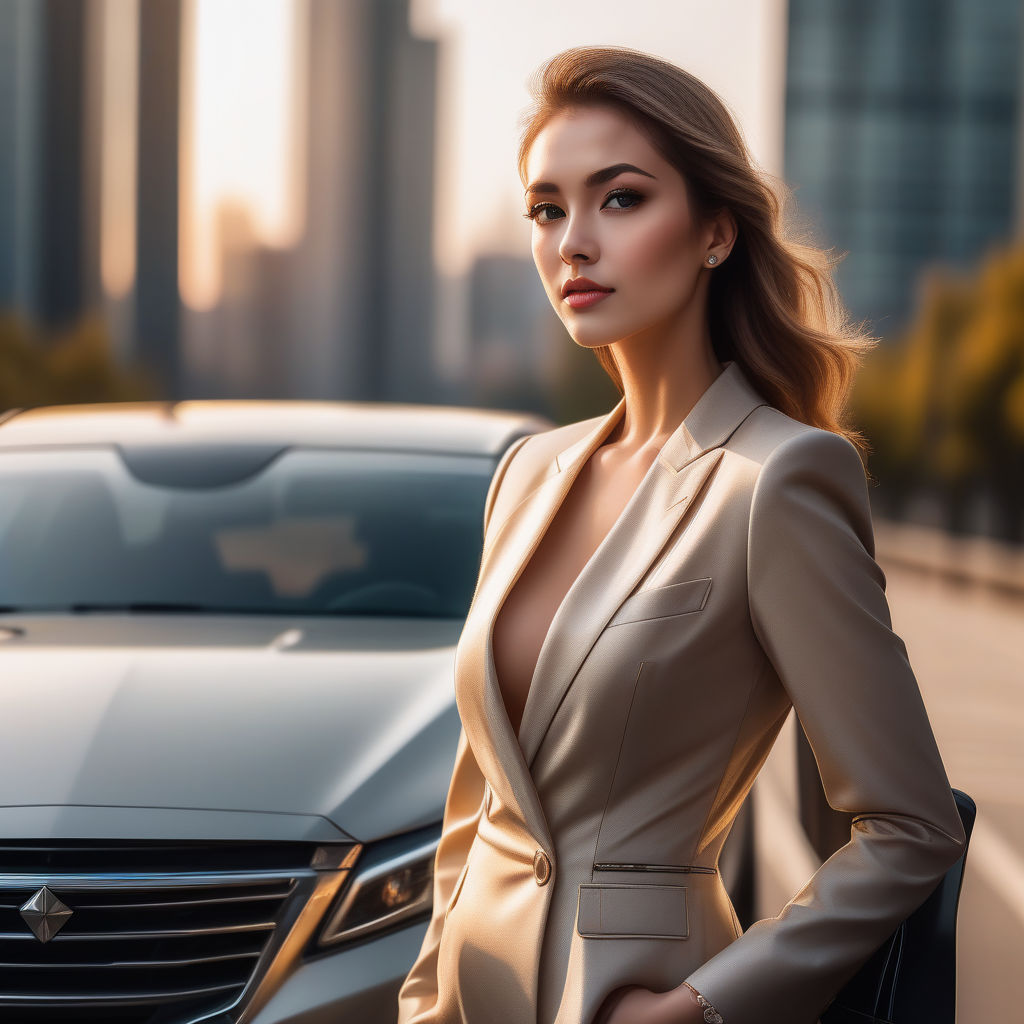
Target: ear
721 231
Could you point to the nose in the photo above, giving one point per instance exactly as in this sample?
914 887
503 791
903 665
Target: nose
575 247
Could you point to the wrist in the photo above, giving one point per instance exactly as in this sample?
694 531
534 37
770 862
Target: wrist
683 1007
698 1008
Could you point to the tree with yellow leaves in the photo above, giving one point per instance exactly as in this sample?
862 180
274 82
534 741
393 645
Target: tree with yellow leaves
944 404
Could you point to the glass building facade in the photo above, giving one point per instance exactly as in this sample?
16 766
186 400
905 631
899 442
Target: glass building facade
902 125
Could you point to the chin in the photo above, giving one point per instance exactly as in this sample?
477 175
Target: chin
592 335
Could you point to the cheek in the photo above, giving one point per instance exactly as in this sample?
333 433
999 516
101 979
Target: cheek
659 249
547 261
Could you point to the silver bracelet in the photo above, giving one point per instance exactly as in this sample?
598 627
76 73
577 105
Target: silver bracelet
711 1015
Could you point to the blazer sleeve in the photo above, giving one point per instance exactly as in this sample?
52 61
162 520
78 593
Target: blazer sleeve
818 608
463 807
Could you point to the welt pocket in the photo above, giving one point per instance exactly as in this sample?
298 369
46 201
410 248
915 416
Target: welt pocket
641 910
660 602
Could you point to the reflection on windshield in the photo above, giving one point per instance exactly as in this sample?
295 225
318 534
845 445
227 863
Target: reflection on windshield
315 532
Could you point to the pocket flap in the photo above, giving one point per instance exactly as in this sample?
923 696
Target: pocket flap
673 599
632 910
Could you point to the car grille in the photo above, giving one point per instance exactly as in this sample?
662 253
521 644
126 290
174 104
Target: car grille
159 934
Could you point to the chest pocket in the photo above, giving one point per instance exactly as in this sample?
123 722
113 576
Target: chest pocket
661 602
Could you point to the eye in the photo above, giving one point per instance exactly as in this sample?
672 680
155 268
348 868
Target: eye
534 212
626 193
632 195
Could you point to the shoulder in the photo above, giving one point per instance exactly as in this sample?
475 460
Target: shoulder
776 447
769 438
799 474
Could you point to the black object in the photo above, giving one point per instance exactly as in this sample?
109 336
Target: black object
911 978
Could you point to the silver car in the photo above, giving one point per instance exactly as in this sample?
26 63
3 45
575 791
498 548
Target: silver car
227 637
227 633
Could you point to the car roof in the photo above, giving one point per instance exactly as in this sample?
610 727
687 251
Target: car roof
385 425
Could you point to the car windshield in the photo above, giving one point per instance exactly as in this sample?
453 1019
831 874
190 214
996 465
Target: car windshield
307 532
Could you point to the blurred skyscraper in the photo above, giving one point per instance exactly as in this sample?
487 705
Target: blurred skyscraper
52 167
902 137
43 221
157 306
349 311
368 252
511 359
93 161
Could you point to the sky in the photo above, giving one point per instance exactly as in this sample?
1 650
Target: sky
490 48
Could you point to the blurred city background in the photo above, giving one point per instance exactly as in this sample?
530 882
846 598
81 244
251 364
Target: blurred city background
318 199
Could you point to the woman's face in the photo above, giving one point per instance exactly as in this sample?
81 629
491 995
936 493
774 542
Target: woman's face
633 231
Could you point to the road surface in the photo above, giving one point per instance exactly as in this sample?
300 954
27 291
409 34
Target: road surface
966 644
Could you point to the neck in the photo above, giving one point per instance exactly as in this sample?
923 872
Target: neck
660 389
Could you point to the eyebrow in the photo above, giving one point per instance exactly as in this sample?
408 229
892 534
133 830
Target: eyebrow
597 178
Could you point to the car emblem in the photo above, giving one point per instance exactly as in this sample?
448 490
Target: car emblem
45 914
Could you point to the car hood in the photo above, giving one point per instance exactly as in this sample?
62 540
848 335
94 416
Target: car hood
234 727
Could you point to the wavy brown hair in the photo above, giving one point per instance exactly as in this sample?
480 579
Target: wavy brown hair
773 305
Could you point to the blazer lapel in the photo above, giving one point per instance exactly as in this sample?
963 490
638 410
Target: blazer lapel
477 692
662 499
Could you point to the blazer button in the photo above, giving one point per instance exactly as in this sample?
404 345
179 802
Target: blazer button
541 867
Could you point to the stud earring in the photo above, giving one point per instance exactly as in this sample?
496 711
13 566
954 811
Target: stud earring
712 260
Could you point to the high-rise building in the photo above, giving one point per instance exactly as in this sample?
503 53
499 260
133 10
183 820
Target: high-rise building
157 306
902 137
348 312
365 329
42 163
53 130
19 28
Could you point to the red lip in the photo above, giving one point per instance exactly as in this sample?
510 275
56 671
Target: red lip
583 284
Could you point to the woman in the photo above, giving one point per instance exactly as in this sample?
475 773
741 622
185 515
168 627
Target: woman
658 587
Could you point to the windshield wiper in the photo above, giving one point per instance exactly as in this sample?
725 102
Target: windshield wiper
189 608
135 606
175 607
142 606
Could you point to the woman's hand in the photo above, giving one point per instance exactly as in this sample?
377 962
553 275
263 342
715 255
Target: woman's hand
634 1004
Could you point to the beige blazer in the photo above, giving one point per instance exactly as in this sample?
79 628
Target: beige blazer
739 580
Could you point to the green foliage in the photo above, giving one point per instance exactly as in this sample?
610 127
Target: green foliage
75 365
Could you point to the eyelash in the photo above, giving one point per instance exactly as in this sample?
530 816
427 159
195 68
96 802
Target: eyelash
532 213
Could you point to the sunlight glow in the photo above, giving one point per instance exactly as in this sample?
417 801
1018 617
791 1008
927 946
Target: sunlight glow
242 134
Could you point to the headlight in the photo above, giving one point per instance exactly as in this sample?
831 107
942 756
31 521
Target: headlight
386 886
